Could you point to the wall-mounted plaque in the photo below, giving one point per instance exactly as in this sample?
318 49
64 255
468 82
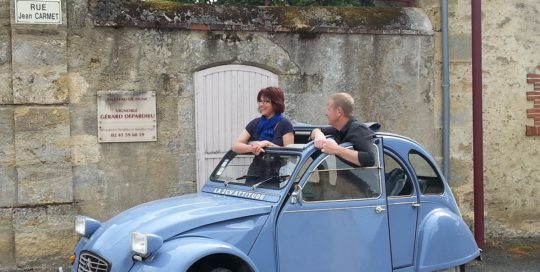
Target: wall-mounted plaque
38 12
126 116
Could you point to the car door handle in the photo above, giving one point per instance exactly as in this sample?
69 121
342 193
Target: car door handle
379 209
416 205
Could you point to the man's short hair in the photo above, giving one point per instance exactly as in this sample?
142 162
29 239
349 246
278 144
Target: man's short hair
345 101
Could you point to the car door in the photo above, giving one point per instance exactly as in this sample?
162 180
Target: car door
403 206
339 221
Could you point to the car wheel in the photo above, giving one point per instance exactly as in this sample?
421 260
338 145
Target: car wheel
460 268
220 269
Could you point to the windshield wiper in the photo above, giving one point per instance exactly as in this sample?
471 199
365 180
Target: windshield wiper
241 177
247 176
268 179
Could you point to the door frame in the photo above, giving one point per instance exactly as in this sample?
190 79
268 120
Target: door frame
200 131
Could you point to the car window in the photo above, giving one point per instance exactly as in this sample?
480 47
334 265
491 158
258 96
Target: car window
266 170
336 179
428 179
306 165
396 179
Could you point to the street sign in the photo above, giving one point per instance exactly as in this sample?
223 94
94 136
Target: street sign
38 12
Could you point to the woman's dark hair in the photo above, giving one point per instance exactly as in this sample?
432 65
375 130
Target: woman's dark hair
274 94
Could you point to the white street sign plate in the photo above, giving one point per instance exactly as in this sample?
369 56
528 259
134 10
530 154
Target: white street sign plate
38 12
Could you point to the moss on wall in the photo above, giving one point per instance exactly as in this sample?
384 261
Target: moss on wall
253 18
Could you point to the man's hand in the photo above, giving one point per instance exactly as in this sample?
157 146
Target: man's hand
318 138
330 147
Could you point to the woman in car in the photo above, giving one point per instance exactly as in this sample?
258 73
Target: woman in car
271 129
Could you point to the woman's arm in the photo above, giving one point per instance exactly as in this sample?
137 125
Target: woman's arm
241 145
288 139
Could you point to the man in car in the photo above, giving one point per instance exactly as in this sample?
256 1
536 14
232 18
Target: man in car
344 128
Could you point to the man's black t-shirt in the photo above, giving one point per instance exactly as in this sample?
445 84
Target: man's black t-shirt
359 135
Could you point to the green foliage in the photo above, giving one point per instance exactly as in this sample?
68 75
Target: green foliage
337 3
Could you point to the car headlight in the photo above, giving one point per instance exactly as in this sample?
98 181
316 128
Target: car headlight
86 226
145 244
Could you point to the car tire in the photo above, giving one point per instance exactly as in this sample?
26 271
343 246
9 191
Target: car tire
220 269
460 268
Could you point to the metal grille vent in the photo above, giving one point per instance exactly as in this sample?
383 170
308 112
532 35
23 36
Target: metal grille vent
89 262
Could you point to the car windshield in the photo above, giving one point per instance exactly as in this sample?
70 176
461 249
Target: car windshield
268 170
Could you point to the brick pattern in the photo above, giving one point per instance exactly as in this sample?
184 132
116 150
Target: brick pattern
534 112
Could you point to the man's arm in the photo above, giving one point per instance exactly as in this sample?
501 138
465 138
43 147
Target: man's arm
332 148
329 146
360 155
359 137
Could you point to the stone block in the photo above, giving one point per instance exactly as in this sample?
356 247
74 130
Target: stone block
42 144
6 92
187 166
7 245
460 47
38 87
42 135
39 63
41 184
5 17
5 49
88 183
8 178
95 209
85 149
186 113
8 186
262 49
136 175
77 11
44 235
6 136
83 117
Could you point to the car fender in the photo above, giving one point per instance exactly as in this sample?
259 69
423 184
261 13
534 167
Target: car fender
444 240
180 254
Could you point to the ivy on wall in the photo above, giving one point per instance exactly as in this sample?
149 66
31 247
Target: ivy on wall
337 3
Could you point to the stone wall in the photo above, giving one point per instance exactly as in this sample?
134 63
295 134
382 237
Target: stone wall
52 166
511 173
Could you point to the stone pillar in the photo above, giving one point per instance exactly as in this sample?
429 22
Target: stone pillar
8 178
36 195
6 94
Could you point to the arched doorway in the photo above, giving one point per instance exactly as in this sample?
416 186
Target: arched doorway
225 101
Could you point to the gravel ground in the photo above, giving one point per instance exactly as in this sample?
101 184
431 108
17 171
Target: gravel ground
515 255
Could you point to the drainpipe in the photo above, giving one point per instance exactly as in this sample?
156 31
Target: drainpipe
478 156
446 90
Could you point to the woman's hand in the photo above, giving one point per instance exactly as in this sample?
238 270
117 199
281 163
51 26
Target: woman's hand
259 146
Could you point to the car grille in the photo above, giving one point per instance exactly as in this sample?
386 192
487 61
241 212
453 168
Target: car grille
89 262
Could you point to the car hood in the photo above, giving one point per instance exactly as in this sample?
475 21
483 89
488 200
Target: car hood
170 217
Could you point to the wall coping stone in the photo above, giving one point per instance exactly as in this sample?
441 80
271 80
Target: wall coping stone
346 20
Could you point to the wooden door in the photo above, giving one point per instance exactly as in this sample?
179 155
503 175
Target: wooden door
225 101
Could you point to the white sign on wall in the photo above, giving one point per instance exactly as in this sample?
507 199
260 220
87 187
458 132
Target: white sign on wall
126 116
38 12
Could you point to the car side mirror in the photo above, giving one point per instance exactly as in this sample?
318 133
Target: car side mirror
296 196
